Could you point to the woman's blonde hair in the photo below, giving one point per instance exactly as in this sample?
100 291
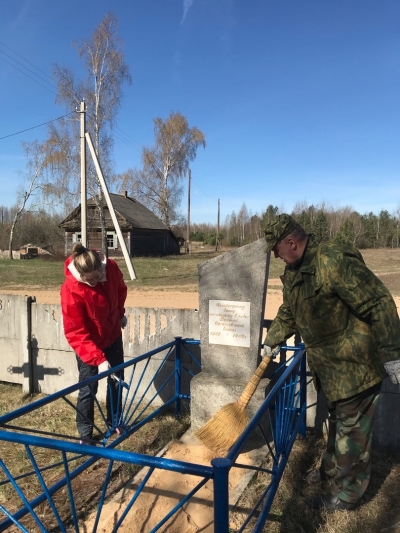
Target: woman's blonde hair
86 261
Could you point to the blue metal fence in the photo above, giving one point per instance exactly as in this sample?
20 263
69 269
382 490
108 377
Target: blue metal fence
285 406
138 403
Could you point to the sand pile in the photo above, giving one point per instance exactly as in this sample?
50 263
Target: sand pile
165 489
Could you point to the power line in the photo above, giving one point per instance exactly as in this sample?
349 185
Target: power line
27 75
23 66
127 143
14 52
138 148
130 138
38 126
211 198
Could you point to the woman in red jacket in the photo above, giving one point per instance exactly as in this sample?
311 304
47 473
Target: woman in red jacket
92 300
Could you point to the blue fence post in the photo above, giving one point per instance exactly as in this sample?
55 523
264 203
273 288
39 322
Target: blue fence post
303 394
178 364
221 467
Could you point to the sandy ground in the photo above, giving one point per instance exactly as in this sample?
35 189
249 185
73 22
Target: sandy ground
165 489
165 298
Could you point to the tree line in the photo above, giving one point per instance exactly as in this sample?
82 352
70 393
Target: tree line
345 225
38 227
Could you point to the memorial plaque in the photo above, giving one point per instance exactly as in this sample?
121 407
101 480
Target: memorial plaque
229 323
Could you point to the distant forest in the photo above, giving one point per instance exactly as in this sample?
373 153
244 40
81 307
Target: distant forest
344 225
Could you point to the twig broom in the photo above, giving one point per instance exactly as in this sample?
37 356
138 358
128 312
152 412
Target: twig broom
227 424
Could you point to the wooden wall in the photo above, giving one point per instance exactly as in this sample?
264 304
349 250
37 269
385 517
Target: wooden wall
94 241
153 243
139 242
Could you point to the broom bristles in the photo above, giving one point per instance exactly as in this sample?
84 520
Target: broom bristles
222 430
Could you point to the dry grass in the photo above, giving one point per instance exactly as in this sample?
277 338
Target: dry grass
168 272
384 262
175 272
378 513
58 417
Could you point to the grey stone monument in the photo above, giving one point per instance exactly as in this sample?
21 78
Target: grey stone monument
232 295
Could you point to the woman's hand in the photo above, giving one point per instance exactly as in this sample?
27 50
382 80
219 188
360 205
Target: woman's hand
105 365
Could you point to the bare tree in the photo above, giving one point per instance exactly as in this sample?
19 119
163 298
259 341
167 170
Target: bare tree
158 184
36 164
242 221
106 72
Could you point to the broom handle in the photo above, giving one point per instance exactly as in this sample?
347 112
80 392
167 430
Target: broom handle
252 385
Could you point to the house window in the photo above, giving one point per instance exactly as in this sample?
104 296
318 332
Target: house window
76 237
112 241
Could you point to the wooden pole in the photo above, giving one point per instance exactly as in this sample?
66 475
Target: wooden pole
217 237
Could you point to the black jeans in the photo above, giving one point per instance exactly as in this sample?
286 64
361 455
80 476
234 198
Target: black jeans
85 404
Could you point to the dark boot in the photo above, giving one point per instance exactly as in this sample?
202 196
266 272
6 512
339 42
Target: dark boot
330 503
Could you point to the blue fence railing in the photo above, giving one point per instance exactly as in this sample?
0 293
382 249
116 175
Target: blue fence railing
285 407
142 397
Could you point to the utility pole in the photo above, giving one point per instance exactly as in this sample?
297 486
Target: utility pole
217 237
83 175
188 215
103 184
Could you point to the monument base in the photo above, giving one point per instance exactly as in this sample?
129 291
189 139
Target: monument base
210 392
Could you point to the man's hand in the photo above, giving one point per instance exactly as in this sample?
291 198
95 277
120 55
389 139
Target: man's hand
393 370
105 365
271 352
123 322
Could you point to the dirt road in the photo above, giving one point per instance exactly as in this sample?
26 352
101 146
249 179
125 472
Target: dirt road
162 299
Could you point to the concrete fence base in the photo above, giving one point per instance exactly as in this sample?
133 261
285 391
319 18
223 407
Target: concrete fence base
36 355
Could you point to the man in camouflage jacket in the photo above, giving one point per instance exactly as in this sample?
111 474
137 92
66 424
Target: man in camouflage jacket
350 326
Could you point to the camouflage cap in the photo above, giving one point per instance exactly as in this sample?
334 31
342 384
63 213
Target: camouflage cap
278 229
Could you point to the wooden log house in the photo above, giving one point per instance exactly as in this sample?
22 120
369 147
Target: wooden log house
144 233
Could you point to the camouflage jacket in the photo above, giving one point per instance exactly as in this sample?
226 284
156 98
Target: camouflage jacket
345 316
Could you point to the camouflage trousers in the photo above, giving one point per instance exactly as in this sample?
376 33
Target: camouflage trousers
348 454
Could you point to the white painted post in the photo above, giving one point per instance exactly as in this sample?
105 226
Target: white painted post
83 176
110 206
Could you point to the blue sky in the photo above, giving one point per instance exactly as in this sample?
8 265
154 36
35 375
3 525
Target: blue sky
298 99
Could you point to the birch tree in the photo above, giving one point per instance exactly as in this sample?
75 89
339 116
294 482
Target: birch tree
106 72
159 183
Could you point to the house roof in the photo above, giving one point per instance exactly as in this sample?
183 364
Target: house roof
135 213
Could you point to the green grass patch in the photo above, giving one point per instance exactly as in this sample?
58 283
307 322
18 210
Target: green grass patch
178 272
173 272
34 273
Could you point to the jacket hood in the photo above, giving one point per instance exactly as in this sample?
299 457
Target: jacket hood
70 270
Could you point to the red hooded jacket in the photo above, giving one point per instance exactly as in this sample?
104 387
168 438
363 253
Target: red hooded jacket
92 315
